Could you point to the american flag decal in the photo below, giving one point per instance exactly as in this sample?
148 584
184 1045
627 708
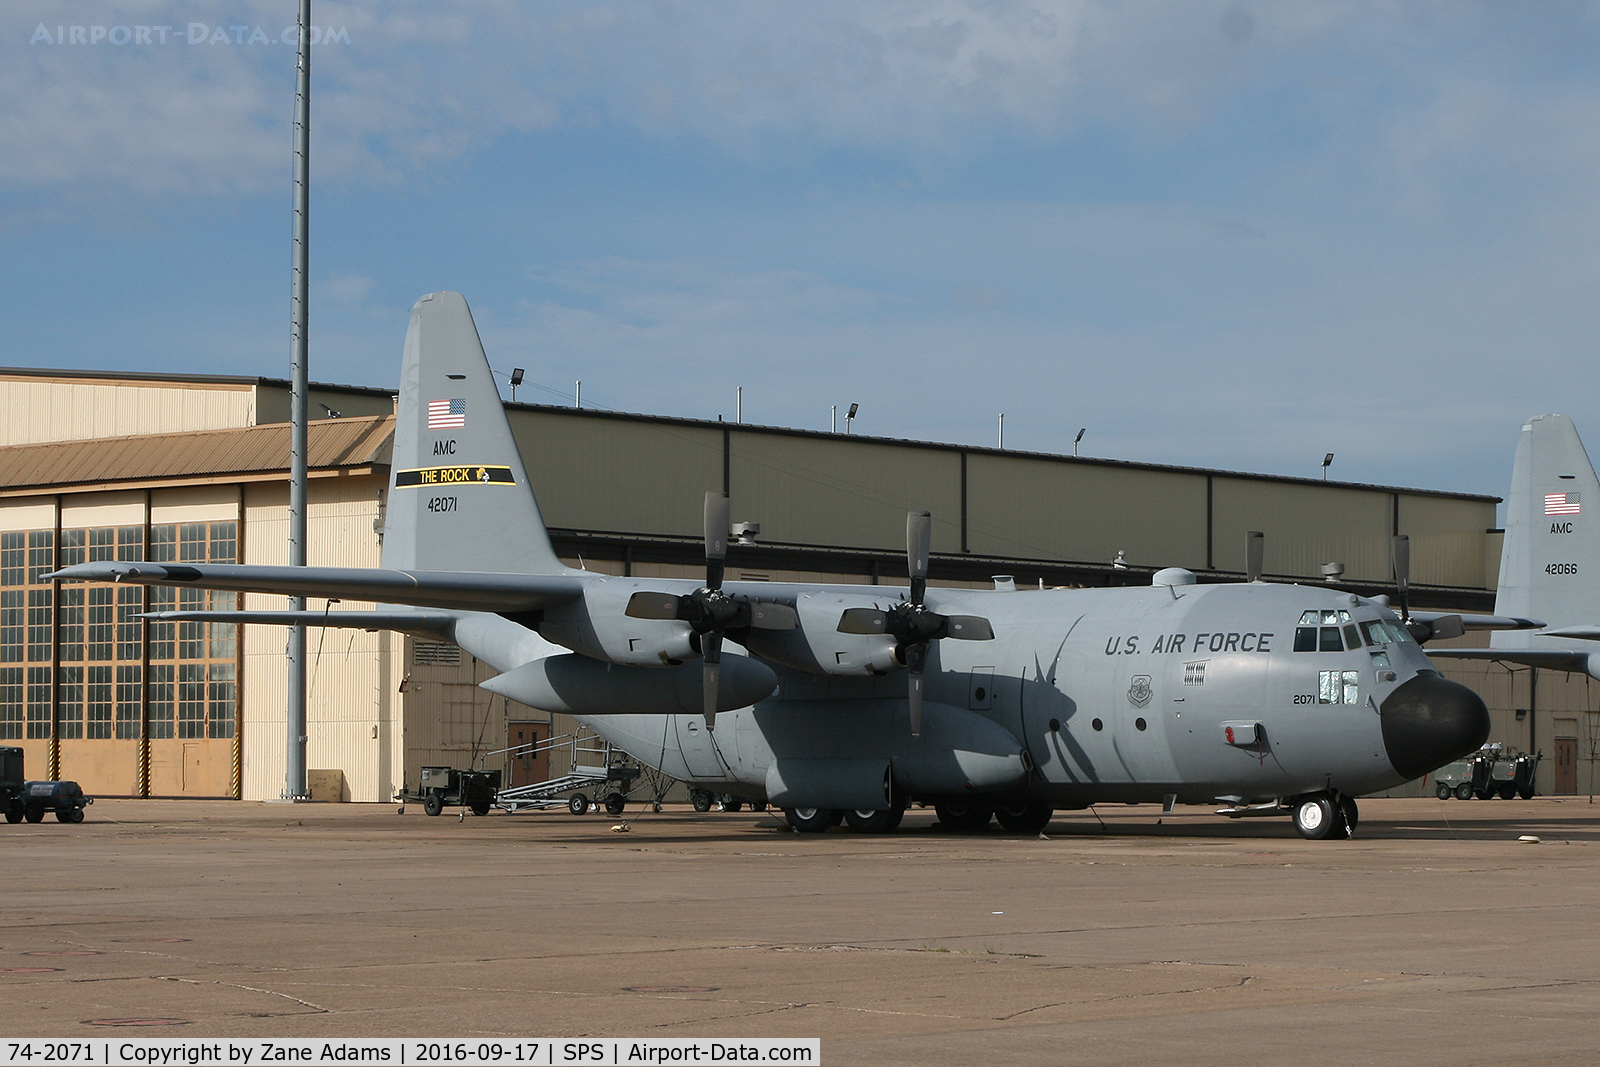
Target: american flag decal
447 414
1561 504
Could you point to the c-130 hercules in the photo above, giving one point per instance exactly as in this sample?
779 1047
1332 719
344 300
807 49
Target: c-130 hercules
1266 698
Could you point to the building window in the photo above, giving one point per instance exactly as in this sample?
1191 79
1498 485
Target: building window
38 702
69 698
11 703
129 694
163 701
98 703
85 646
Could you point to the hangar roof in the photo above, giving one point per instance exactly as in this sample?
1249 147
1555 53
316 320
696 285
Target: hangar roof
331 445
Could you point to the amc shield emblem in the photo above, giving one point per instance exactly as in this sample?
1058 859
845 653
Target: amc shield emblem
1139 690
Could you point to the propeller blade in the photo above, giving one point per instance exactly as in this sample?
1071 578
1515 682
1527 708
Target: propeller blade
711 675
914 698
969 628
863 621
1402 573
773 617
916 660
919 541
1255 548
648 605
716 538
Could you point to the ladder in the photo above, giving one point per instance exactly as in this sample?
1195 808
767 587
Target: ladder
593 763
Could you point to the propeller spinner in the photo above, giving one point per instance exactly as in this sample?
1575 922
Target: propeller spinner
913 626
709 611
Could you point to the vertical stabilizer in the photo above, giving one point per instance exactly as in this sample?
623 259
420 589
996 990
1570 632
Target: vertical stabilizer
459 498
1550 563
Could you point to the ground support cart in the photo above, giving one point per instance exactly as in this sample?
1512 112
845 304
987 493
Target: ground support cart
441 786
598 774
39 799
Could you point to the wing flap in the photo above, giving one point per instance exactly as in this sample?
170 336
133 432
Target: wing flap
405 621
461 591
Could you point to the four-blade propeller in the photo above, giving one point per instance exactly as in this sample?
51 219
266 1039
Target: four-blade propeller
913 626
709 611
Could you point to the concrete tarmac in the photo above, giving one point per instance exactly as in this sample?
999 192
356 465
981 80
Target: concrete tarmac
1119 937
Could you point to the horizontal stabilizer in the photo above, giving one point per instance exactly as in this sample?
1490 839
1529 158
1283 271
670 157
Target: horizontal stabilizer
463 590
1589 632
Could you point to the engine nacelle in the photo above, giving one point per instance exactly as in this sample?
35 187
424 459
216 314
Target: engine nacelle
598 627
577 685
816 645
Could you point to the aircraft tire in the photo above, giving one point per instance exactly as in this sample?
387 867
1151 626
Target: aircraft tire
1029 818
812 820
875 822
578 804
615 804
1464 791
1317 817
431 804
701 800
1444 791
962 819
729 803
758 805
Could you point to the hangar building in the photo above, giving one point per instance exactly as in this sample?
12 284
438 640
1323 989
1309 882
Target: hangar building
103 465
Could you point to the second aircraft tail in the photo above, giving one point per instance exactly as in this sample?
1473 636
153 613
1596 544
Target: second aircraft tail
1550 563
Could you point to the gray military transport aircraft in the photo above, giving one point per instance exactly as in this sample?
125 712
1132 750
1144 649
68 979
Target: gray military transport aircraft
1266 698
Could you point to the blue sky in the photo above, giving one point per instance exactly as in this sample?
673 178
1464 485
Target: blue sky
1230 234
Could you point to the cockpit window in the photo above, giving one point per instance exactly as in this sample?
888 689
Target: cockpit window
1351 638
1384 632
1330 639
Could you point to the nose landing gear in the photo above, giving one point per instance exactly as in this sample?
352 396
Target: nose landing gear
1320 816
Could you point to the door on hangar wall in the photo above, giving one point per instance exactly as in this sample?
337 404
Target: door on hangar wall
1566 770
527 764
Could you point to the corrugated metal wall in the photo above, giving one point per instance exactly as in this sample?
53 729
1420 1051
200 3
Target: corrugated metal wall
65 410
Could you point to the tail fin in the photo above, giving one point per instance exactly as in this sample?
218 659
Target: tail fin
1550 563
459 498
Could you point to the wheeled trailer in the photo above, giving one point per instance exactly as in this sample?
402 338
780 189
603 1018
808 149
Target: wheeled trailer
439 787
20 799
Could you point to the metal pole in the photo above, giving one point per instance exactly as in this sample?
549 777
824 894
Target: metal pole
833 418
577 395
294 774
738 404
1001 443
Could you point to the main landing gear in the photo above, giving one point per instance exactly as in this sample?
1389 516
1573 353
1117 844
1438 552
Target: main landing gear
1320 816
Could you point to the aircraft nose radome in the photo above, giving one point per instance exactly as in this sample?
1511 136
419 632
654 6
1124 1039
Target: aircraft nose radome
1429 721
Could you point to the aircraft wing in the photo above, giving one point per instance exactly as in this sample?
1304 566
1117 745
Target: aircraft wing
1483 622
405 621
1555 659
461 590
